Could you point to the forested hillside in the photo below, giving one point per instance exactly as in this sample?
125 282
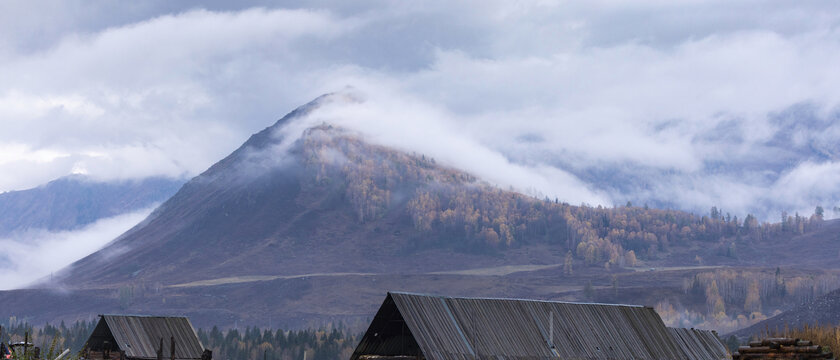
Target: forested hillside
448 207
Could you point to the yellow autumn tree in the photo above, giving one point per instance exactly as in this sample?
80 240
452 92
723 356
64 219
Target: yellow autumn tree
753 300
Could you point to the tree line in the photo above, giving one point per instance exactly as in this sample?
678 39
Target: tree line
251 343
256 344
71 337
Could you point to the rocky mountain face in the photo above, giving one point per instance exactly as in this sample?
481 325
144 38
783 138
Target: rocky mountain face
74 201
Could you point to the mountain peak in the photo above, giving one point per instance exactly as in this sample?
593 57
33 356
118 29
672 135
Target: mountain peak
278 194
275 134
348 95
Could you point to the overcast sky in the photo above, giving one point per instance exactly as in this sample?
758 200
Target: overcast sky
733 104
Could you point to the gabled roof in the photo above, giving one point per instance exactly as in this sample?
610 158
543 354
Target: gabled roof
140 336
439 327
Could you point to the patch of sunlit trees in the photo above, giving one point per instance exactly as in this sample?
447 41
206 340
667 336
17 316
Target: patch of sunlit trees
730 299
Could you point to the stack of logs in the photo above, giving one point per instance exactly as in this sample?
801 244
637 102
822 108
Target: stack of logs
781 348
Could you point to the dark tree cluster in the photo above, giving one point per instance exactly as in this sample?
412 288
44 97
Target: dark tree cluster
60 337
256 344
252 343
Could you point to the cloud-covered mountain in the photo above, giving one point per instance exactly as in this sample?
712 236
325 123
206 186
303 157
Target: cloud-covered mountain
309 220
682 106
281 204
304 196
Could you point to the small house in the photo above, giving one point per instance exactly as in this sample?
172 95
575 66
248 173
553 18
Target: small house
134 337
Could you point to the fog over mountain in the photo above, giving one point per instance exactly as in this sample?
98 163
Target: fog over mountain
48 227
688 106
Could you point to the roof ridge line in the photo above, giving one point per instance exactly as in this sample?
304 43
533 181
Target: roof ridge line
511 299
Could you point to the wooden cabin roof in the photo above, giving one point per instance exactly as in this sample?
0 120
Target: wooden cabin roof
140 336
439 327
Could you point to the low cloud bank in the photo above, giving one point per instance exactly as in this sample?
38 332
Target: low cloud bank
34 255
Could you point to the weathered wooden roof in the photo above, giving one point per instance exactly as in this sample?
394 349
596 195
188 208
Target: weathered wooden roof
140 336
438 327
700 344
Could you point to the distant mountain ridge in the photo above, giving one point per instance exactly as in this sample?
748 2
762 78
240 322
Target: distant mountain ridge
74 201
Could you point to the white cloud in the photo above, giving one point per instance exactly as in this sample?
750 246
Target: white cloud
23 106
22 152
415 126
158 97
675 103
812 182
36 254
